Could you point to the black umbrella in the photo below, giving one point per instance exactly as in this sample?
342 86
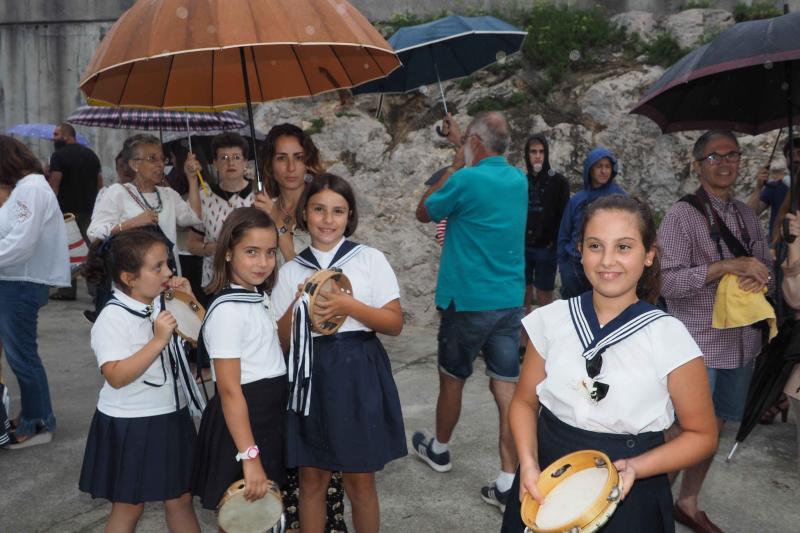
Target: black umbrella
772 368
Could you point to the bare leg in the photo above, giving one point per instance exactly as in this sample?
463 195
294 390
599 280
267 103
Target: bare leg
124 517
360 488
692 482
448 406
180 515
503 391
544 297
313 496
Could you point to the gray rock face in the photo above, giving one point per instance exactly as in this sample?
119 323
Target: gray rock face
388 160
692 25
640 22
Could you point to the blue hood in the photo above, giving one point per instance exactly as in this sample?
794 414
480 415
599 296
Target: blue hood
594 156
572 220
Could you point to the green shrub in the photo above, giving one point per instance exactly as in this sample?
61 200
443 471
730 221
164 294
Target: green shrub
561 38
664 50
493 103
696 4
316 126
465 83
755 11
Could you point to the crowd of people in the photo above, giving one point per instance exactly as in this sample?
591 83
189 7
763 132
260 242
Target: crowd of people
627 361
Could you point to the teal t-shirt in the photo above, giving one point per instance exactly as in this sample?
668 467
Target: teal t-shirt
483 260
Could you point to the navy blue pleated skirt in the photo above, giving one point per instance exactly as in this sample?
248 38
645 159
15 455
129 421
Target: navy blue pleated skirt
355 423
215 466
137 460
647 507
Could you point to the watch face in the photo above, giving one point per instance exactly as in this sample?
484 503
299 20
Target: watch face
252 453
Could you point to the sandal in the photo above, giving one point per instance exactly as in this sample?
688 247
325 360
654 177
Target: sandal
18 443
780 406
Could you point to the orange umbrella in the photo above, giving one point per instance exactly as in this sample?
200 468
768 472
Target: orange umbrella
210 55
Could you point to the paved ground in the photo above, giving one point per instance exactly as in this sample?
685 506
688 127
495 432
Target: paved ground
758 492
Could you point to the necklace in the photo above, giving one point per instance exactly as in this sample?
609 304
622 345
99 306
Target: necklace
286 216
159 206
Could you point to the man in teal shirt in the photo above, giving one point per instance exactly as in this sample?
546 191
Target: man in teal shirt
481 284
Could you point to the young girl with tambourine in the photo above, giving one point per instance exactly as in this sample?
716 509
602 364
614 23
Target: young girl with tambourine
604 370
242 431
344 406
142 436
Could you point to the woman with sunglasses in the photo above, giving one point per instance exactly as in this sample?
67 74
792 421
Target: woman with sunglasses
608 370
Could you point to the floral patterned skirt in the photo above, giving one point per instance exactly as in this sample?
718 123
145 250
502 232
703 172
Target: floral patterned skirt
335 504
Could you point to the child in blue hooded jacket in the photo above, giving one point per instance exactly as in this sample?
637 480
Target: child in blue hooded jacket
599 169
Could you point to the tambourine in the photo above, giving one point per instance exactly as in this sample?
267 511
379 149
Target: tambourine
187 312
581 492
237 515
321 282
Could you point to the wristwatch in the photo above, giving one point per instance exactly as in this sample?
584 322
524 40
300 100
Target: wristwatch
283 229
249 453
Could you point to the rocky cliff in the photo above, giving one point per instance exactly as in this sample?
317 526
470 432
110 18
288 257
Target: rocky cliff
388 159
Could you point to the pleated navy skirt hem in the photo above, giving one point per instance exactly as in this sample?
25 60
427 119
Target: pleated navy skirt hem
647 507
138 460
355 423
215 467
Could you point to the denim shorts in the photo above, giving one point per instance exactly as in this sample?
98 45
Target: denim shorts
540 268
729 390
495 333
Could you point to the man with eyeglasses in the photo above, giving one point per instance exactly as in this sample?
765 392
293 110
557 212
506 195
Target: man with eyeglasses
696 252
75 178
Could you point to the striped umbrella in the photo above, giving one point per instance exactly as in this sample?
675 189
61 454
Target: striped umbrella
154 119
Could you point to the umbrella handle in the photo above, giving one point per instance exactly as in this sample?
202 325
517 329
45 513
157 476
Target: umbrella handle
202 183
440 131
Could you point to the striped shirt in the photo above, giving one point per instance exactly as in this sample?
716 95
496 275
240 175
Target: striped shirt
687 250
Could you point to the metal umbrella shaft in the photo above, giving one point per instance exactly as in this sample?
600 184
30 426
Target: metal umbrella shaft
258 185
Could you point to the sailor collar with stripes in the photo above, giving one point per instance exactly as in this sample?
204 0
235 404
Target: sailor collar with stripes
334 258
301 350
596 339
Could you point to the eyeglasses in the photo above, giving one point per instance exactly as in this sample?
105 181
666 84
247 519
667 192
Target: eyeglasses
227 157
716 159
152 159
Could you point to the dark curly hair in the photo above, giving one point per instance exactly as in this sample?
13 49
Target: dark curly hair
310 153
123 252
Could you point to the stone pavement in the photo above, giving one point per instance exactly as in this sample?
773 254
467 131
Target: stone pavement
758 492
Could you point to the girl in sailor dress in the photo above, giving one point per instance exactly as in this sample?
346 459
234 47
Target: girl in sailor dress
607 370
141 437
242 430
346 416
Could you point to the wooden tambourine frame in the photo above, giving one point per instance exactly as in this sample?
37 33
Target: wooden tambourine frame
597 513
237 515
321 282
192 305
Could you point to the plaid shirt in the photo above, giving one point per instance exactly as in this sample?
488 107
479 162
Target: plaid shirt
687 250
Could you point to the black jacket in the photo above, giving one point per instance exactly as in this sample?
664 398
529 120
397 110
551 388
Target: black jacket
548 194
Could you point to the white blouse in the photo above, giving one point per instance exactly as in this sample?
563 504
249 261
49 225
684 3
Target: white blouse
635 369
246 331
373 280
116 335
33 237
117 205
